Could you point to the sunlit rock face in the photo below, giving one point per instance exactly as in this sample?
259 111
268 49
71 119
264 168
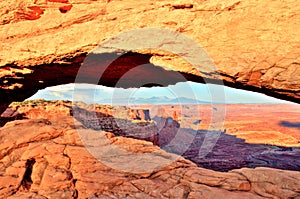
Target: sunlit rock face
47 158
44 42
234 148
139 114
255 45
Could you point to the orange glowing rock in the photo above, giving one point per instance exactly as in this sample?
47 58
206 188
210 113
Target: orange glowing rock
34 13
64 9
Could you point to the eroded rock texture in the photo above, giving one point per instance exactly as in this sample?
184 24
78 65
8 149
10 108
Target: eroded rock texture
254 44
139 114
46 158
234 149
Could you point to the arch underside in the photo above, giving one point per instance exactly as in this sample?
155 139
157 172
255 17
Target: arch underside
125 69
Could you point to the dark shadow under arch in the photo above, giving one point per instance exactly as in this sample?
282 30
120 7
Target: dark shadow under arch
65 71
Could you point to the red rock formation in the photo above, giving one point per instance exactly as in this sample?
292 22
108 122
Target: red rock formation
37 110
65 9
250 50
47 159
139 114
254 44
235 149
34 13
175 116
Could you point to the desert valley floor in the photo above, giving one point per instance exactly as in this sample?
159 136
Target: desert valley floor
55 142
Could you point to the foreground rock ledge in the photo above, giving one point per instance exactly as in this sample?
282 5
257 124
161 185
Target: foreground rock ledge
46 159
254 44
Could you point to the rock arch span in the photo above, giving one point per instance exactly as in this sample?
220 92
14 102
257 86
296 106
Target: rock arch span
258 54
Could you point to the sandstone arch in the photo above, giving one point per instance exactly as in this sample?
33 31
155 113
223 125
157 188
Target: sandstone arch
254 48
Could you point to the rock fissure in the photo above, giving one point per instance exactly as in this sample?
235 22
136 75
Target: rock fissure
26 144
27 181
71 176
183 6
9 151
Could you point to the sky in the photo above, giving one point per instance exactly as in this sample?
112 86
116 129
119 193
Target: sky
200 93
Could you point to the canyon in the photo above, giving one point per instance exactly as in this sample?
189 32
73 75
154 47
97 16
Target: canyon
57 149
48 153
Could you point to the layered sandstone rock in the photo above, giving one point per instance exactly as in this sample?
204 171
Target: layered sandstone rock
254 44
38 109
42 158
276 148
231 150
139 114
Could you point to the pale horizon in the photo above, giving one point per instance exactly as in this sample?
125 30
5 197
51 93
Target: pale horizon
177 94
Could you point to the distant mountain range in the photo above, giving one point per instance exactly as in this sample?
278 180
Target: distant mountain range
152 100
104 95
